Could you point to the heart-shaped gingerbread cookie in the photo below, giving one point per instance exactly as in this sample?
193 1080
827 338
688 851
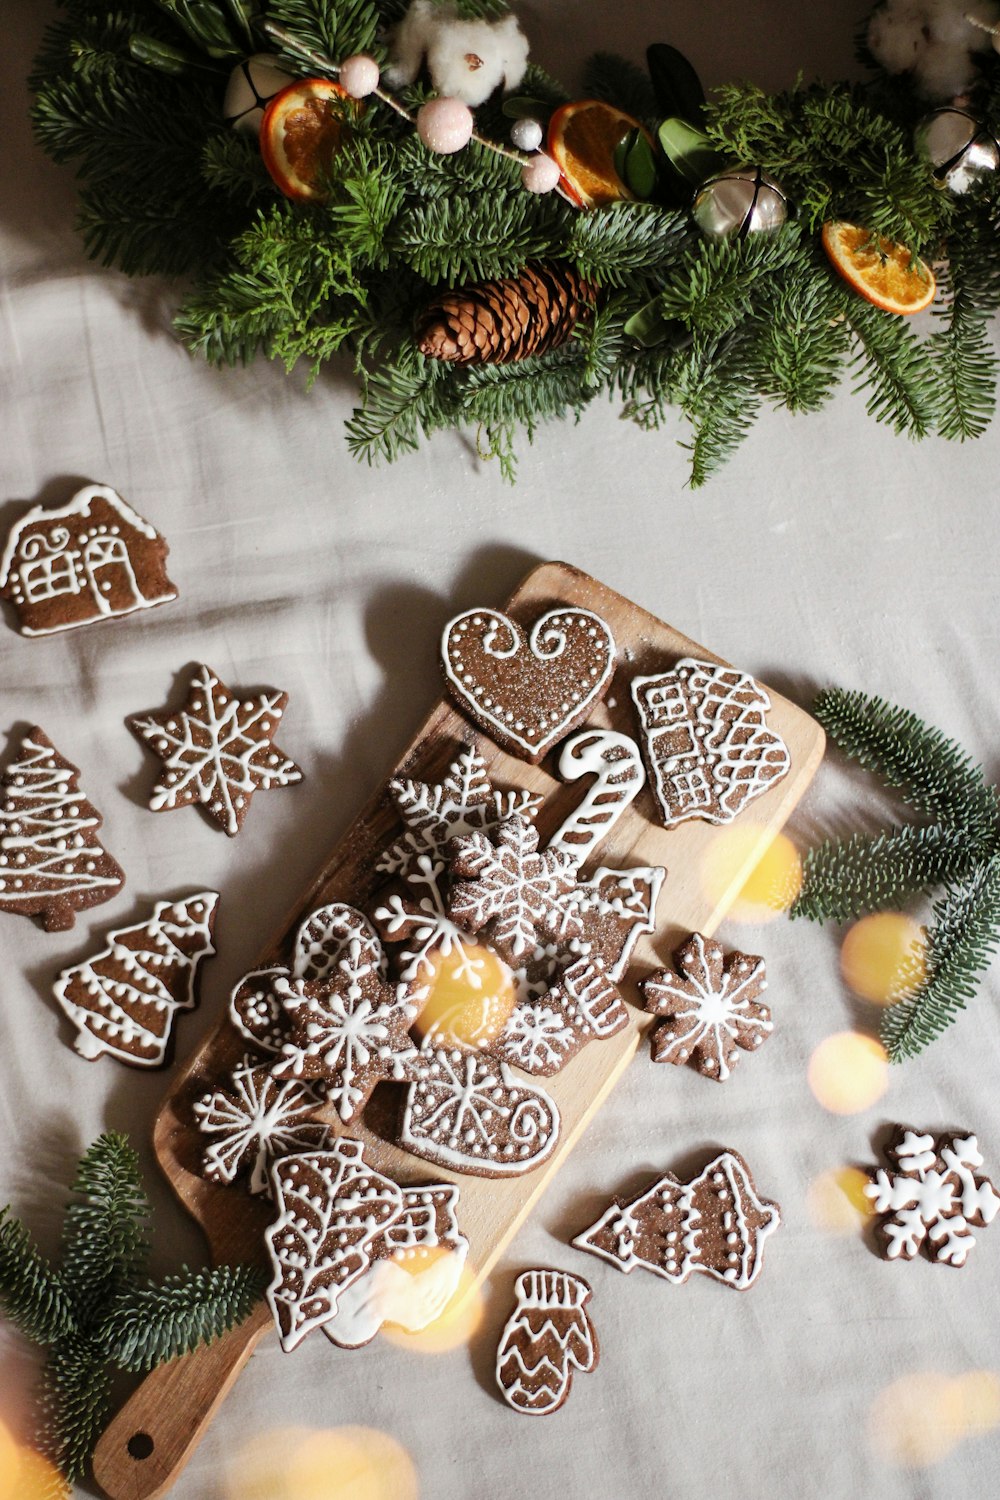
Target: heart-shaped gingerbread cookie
527 693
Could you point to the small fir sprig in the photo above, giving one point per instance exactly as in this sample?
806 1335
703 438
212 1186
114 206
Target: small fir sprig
956 851
95 1311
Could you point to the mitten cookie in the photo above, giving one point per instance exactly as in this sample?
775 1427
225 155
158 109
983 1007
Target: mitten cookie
547 1336
933 1199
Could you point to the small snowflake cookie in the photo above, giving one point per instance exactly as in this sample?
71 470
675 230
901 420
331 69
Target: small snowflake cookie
527 692
89 560
933 1198
709 1009
716 1224
217 749
252 1121
706 741
547 1336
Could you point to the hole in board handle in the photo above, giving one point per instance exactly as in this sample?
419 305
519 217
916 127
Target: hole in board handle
140 1445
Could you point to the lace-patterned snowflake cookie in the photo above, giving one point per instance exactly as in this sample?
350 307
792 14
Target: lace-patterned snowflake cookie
710 1009
252 1122
706 741
505 884
933 1198
216 749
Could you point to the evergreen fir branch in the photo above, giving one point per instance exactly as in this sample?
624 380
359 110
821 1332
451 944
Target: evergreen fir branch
614 245
931 772
601 338
714 288
526 391
479 240
75 1400
894 366
801 343
231 164
721 406
843 879
146 1327
963 355
399 401
104 1241
430 177
32 1293
960 945
619 82
367 195
335 28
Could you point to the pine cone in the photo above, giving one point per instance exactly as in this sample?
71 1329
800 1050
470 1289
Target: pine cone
498 322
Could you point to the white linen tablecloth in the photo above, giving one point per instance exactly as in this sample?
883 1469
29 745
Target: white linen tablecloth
827 551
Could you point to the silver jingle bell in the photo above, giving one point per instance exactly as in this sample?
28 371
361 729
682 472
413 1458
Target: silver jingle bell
958 148
739 202
252 85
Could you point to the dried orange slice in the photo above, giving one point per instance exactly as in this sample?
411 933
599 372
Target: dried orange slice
583 137
299 136
879 269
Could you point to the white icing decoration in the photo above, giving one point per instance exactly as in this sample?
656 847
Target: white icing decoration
466 1111
536 1355
637 892
502 639
43 564
707 1008
933 1200
614 760
159 974
325 935
263 1025
510 884
707 743
257 1115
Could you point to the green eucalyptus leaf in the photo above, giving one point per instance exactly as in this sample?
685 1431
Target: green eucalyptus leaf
160 55
648 326
204 23
520 107
689 150
640 166
676 85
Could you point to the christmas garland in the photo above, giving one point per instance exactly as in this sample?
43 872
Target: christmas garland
699 277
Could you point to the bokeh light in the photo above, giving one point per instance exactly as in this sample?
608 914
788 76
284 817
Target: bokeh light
883 957
920 1418
773 882
24 1474
848 1072
341 1463
454 1327
472 994
837 1201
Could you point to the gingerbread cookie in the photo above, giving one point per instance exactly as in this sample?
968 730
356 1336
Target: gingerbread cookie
615 763
547 1336
416 1265
511 888
88 560
581 1006
527 693
52 863
252 1122
716 1224
256 1011
216 750
349 1031
933 1199
466 1111
331 1208
124 999
706 742
711 1008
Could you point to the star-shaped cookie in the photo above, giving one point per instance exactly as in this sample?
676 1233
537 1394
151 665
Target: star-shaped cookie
217 749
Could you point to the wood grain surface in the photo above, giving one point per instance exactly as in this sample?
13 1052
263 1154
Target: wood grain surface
148 1442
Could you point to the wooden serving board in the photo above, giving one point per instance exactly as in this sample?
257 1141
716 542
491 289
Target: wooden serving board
148 1442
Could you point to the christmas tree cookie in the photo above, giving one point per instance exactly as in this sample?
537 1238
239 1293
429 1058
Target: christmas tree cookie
52 863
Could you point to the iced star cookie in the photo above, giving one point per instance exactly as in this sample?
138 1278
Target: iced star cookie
217 750
710 1008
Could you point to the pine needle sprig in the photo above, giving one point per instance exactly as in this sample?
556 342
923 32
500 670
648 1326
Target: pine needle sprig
957 853
97 1311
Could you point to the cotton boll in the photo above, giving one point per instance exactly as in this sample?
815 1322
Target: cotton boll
948 22
466 60
933 40
896 35
944 71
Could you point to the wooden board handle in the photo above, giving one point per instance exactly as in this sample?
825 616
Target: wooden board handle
144 1448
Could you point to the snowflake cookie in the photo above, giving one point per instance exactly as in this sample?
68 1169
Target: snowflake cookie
348 1031
547 1336
416 1264
254 1120
711 1008
466 1111
123 1000
331 1209
716 1224
52 863
507 886
933 1199
217 750
582 1005
527 692
706 742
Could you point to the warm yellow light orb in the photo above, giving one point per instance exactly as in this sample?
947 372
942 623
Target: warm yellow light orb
977 1400
454 1327
754 883
837 1201
848 1072
342 1463
24 1474
913 1422
472 994
883 957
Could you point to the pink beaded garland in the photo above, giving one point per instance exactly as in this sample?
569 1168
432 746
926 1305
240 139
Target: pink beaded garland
444 125
541 174
359 75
